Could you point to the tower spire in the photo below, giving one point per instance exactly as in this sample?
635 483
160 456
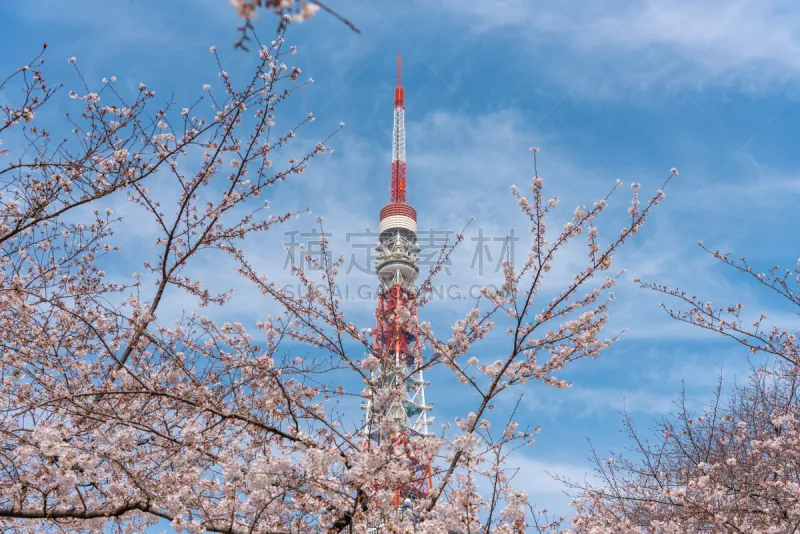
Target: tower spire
399 92
398 186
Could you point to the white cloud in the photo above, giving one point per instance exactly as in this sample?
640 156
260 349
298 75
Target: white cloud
536 476
654 43
582 401
541 478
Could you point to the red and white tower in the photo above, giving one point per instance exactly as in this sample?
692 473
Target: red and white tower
396 315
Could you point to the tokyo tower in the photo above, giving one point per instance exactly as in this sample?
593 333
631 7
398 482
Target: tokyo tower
397 345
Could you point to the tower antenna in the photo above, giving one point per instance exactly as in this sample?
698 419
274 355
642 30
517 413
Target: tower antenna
398 184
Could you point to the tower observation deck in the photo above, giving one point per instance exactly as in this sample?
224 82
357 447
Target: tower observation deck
394 341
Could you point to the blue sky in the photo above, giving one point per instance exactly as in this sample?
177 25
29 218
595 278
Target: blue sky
617 90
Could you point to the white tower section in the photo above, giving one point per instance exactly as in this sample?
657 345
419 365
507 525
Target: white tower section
399 135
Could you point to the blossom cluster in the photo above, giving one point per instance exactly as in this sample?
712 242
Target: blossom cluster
115 412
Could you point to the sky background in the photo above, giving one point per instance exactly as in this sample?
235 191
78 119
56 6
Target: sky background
618 90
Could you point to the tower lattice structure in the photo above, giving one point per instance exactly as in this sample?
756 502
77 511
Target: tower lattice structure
397 269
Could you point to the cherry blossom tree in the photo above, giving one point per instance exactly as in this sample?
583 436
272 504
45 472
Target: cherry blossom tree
287 11
116 415
733 466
